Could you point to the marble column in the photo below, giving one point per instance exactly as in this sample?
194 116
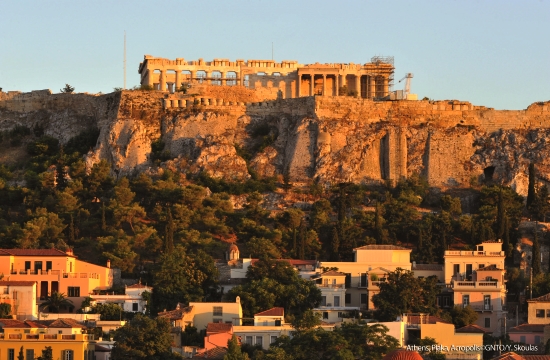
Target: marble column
336 85
358 85
178 81
372 86
324 85
162 80
312 85
298 85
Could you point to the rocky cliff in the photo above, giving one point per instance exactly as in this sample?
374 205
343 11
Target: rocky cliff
330 139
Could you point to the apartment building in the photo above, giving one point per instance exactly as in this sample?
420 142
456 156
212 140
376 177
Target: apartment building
67 338
55 271
131 301
370 266
475 278
333 293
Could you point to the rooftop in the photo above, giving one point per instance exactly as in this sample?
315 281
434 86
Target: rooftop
56 324
473 328
527 328
276 311
492 267
218 328
16 283
543 298
381 247
33 252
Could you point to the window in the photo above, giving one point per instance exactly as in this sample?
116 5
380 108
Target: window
363 298
29 355
487 302
548 313
481 266
340 314
273 339
73 291
248 340
333 281
67 355
37 266
218 311
259 340
11 354
487 322
465 300
27 265
325 315
469 271
135 307
55 286
540 313
522 339
337 301
456 269
323 301
348 280
347 298
363 280
48 265
537 339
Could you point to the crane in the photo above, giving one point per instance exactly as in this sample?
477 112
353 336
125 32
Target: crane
407 90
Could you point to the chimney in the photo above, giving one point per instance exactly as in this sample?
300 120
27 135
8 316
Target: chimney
69 252
108 263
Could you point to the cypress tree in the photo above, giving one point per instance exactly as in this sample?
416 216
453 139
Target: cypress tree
531 189
169 233
535 256
507 247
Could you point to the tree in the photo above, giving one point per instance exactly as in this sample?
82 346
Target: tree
306 321
403 293
143 338
108 311
368 341
535 256
5 311
21 356
463 316
182 277
46 354
234 350
531 195
54 302
68 89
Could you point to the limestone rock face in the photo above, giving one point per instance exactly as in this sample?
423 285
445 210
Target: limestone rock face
327 139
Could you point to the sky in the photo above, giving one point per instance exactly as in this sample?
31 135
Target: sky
491 53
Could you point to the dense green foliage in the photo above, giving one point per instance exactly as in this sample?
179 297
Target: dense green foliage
144 338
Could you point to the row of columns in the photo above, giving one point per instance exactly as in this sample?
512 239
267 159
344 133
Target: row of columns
179 79
344 83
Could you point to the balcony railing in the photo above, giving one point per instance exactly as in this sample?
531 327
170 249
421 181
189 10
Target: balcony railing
36 272
332 286
62 337
484 307
474 253
475 284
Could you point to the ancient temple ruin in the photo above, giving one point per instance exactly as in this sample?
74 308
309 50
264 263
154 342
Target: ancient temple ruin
290 79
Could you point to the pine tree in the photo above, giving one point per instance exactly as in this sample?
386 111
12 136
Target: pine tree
234 351
535 256
531 189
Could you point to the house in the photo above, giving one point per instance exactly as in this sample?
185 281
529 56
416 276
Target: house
475 278
422 326
55 271
370 266
199 314
538 310
529 334
21 295
67 338
131 301
333 293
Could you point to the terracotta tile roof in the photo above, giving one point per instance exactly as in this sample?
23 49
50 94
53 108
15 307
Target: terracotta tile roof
62 323
33 252
543 298
216 353
16 324
177 314
527 328
433 267
536 357
381 247
492 267
218 328
276 311
17 283
402 354
472 329
509 356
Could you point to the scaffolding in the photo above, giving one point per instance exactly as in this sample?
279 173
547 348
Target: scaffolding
378 61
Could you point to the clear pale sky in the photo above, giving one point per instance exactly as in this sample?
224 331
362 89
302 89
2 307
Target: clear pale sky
492 53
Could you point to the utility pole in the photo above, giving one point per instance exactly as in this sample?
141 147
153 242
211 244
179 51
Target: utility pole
124 60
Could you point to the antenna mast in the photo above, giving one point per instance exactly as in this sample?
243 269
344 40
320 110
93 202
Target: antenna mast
124 60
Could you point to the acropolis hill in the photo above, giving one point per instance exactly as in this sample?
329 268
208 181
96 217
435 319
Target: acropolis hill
328 138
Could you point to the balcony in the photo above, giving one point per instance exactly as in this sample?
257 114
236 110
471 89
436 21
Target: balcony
486 284
48 337
482 308
331 286
473 253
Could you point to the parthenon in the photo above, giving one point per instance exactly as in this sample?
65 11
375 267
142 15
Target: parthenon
371 80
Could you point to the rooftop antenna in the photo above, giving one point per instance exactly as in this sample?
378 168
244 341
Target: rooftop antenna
124 60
